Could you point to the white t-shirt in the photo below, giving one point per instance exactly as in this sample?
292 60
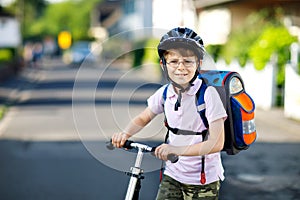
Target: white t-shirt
188 168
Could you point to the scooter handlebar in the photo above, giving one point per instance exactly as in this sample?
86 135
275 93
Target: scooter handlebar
139 146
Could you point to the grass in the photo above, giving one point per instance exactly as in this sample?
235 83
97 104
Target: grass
3 110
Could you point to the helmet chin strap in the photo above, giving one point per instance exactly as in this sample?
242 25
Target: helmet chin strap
181 89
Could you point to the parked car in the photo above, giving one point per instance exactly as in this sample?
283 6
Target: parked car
79 52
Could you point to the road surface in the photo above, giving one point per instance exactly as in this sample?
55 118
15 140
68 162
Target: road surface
53 140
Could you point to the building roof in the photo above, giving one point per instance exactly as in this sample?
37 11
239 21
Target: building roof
207 3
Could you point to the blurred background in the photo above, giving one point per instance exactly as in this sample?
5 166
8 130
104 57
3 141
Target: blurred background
260 37
55 54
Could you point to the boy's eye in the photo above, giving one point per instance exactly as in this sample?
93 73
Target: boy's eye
188 61
175 62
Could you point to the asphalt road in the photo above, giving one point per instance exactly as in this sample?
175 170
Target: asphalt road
53 140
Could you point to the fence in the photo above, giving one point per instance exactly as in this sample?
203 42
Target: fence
292 93
260 85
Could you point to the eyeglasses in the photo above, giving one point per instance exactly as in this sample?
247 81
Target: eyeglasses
186 63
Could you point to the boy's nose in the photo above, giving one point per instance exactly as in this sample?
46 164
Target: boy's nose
180 65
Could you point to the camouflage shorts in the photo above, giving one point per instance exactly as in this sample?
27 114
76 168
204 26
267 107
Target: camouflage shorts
171 189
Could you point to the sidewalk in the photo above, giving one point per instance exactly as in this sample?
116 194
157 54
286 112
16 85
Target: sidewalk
272 126
25 79
269 169
10 88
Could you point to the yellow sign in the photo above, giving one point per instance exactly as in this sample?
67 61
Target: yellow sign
64 39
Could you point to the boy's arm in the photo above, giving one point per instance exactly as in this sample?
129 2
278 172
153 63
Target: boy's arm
133 127
213 144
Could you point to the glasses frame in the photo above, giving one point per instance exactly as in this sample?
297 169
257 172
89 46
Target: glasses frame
186 63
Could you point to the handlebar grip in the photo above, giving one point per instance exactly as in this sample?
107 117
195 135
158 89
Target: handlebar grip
127 144
109 145
173 158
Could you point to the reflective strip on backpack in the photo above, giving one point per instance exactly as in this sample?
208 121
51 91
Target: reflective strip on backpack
201 107
249 131
249 126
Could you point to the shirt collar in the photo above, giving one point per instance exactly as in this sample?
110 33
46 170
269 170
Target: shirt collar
196 85
192 91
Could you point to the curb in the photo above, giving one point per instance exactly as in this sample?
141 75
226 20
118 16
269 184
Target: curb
12 87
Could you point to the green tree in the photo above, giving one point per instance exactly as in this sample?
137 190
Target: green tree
273 41
262 36
40 18
27 11
73 16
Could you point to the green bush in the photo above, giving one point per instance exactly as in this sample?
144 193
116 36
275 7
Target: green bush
274 40
214 51
138 53
6 55
145 51
151 55
2 111
258 39
241 39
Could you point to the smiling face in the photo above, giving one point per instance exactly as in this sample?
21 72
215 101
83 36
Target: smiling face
181 65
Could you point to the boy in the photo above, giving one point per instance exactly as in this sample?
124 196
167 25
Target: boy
199 169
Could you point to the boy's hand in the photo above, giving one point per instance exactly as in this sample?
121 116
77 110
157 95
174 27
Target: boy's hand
119 139
164 150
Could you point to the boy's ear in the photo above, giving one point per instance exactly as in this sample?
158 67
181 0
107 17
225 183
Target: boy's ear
200 63
161 64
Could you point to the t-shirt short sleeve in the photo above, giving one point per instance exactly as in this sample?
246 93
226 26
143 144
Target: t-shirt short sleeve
214 106
155 101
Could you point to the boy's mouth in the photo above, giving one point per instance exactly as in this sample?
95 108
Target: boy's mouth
180 75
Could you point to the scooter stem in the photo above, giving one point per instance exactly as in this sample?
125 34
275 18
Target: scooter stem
135 173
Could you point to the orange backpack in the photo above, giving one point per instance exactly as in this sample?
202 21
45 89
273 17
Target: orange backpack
240 129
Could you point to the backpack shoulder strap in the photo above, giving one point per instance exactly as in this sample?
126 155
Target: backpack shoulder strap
165 92
164 96
201 107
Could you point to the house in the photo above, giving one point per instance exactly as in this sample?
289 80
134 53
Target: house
126 15
10 33
216 17
10 41
219 17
